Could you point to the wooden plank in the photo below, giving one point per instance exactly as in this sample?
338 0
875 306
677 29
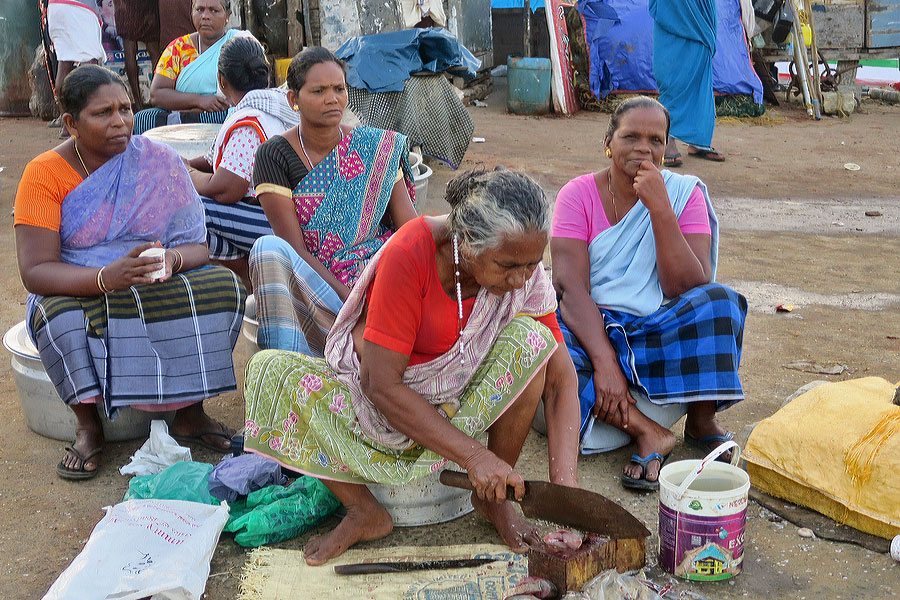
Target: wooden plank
839 26
883 20
380 15
339 21
295 33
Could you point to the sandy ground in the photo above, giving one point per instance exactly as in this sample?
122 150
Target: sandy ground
794 231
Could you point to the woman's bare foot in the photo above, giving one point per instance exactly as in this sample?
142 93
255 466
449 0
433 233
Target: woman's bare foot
359 525
653 439
516 531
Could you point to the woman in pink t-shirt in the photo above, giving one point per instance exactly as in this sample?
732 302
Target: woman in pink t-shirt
634 260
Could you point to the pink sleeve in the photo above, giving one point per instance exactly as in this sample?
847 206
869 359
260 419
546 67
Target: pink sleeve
238 154
571 215
695 218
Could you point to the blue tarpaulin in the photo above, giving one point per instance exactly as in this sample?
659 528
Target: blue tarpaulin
535 4
620 41
384 61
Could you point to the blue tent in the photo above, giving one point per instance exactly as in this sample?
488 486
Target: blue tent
620 42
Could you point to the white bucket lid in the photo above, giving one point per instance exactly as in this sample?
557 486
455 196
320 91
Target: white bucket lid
16 340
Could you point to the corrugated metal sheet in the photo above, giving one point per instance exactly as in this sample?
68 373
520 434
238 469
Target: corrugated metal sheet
883 19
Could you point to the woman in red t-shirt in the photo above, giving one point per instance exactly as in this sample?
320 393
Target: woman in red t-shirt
450 332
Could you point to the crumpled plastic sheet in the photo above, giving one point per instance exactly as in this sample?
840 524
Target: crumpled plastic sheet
239 475
383 61
158 452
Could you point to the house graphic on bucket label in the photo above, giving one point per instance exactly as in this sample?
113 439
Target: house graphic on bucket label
709 562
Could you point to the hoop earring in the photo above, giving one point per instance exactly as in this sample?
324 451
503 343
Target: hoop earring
608 153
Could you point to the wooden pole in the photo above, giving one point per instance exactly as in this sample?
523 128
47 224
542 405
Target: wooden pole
526 12
817 76
296 37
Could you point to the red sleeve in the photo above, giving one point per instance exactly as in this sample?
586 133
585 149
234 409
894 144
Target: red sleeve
395 299
695 217
550 321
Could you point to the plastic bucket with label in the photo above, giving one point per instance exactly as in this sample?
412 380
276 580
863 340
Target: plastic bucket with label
702 515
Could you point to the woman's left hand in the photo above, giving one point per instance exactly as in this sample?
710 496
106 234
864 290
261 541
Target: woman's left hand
650 187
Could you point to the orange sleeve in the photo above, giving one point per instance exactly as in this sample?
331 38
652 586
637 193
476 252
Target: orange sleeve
46 182
395 300
550 321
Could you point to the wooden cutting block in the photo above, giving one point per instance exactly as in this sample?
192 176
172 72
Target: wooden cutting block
569 570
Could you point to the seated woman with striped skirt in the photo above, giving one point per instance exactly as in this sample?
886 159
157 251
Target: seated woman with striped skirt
450 332
184 86
111 331
234 218
333 195
634 260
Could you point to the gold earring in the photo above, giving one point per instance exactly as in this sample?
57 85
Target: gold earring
608 153
296 107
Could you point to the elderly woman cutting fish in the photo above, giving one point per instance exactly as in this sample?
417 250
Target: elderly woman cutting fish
449 333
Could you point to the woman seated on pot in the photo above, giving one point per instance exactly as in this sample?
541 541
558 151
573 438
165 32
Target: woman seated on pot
113 327
333 195
234 218
652 336
184 86
449 332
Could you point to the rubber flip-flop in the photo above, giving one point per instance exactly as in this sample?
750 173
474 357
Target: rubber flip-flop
642 483
672 160
197 438
710 154
708 443
78 474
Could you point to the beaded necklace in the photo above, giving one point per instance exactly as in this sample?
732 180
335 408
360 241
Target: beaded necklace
459 302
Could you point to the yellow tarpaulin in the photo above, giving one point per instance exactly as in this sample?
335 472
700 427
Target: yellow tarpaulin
835 449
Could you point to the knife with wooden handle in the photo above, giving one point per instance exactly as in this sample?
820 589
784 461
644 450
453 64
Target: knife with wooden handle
405 566
567 506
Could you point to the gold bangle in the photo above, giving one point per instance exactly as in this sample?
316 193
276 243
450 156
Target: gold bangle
103 289
179 261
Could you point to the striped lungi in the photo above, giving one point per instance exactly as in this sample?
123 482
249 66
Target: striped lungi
152 344
150 118
295 307
232 229
688 350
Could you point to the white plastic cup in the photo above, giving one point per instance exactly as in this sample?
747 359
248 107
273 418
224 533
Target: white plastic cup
159 253
895 548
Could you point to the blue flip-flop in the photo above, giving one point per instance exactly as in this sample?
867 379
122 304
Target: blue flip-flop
708 443
642 483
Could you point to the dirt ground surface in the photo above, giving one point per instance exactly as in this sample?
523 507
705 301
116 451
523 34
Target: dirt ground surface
794 231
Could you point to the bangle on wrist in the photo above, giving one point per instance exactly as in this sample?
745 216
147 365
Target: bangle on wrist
103 289
179 261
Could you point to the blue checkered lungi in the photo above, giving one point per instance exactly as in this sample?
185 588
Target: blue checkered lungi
688 350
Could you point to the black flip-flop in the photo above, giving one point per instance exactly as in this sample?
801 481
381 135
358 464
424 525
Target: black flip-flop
79 474
672 160
708 443
197 438
711 154
642 483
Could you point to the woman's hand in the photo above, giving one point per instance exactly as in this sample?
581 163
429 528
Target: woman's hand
650 187
611 395
212 103
490 476
131 269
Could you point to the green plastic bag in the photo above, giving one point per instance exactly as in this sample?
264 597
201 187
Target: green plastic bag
181 481
276 513
271 514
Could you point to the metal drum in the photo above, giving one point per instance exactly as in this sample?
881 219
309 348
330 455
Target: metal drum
189 140
45 413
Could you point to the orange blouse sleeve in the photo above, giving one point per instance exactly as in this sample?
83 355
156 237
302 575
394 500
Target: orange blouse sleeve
46 182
